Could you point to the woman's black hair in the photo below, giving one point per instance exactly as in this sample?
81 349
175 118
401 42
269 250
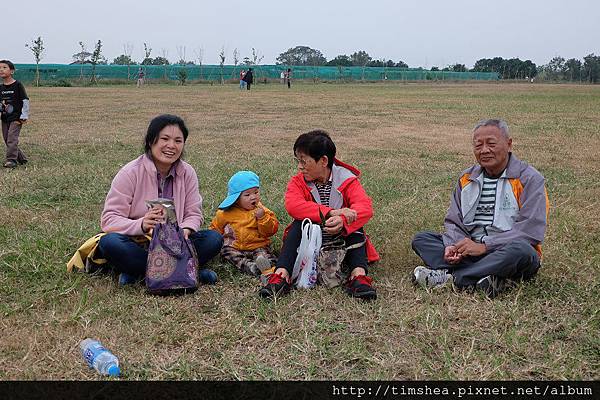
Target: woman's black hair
158 124
316 144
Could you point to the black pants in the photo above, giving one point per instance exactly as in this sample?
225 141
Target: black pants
248 85
516 260
354 257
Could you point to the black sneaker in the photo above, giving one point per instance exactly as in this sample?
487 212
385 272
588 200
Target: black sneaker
361 287
277 285
491 286
91 267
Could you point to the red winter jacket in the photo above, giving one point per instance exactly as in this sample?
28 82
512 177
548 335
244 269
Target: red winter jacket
346 191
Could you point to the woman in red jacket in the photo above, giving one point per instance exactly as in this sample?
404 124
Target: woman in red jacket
326 186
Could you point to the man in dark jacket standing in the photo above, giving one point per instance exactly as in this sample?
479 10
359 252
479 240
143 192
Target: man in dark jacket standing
249 78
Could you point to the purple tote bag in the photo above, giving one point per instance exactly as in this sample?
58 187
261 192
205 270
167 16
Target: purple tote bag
172 262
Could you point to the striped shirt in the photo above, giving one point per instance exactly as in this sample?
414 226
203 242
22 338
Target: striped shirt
324 194
484 214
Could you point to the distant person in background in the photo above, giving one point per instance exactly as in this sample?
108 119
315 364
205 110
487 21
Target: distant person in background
140 80
242 81
288 77
14 110
249 78
282 77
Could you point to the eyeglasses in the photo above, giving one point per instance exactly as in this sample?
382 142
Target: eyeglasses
300 161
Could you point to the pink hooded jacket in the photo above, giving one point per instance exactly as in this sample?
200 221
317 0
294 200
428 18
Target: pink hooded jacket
135 183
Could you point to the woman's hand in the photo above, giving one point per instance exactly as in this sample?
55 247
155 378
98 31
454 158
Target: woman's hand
334 225
187 232
153 216
349 213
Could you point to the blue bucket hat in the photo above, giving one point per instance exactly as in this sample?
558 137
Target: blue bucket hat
240 181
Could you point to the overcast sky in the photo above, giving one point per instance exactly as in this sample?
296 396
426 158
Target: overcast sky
420 33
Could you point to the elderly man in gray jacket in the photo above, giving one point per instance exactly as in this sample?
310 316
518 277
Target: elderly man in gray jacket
495 224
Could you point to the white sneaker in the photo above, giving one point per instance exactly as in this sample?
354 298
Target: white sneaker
432 278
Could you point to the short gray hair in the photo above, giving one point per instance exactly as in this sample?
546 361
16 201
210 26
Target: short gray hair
498 123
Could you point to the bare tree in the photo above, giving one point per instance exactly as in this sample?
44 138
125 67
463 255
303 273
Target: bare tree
165 54
181 54
256 60
199 56
236 60
147 51
222 63
80 57
236 57
37 47
128 50
96 56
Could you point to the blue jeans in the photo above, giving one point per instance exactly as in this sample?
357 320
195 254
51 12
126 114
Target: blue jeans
129 257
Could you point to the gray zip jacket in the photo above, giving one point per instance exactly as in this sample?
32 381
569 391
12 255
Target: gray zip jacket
521 210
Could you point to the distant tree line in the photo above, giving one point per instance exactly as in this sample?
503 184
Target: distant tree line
572 70
558 69
512 68
304 55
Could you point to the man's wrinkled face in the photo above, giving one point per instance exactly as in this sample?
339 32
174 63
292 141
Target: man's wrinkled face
491 149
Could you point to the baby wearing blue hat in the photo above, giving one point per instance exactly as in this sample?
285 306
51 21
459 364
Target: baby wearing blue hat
246 225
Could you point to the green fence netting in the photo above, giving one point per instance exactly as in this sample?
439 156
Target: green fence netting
54 72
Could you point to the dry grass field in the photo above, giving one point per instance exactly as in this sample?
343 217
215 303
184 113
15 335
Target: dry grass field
410 141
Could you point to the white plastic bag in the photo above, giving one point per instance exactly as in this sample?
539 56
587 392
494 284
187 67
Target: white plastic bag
305 271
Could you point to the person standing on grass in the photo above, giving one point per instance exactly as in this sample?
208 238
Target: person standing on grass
14 110
158 173
288 77
248 78
495 224
242 81
325 186
140 80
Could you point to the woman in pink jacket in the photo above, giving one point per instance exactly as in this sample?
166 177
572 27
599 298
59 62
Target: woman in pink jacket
159 172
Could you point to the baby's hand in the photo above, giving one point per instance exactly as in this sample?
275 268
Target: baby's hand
259 213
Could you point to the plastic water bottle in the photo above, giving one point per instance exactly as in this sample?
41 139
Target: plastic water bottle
99 358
